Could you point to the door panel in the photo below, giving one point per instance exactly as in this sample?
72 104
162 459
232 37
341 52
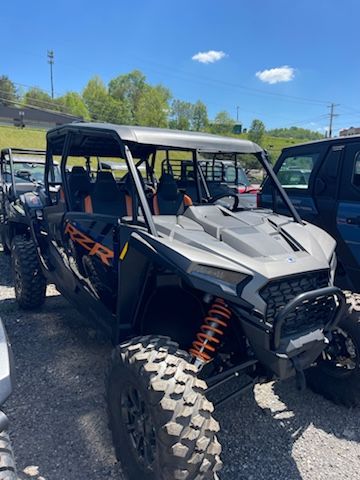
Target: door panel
348 212
92 248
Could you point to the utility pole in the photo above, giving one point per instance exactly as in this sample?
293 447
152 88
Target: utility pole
50 56
332 115
237 114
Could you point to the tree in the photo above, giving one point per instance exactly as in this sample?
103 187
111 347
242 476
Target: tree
128 89
153 108
35 97
8 94
296 132
114 111
223 124
94 96
199 120
181 115
101 105
74 104
256 131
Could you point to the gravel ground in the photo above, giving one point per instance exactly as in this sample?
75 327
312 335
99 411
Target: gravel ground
58 421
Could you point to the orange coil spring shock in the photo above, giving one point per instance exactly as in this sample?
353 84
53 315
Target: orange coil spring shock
214 324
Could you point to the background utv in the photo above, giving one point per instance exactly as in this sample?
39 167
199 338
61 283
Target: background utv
189 290
21 171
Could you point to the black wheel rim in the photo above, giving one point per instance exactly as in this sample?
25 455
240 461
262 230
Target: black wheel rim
137 420
341 357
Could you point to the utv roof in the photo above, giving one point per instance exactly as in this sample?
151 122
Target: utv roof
338 139
145 136
25 155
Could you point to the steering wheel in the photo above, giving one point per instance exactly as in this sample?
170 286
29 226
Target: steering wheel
218 197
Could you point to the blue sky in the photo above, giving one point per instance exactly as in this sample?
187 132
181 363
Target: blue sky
318 42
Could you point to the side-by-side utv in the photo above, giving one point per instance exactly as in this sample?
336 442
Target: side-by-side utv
21 171
193 294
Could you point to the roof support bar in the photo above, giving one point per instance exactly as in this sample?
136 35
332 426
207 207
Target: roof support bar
139 189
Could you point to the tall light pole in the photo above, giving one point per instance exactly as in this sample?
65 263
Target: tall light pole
50 56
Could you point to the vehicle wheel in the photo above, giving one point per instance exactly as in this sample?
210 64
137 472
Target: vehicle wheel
7 462
29 282
161 422
337 373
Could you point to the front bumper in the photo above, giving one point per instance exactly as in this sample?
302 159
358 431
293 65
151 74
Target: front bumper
285 354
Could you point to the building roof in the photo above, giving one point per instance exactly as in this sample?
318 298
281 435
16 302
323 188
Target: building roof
176 139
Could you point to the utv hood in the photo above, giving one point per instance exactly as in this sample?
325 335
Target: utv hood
259 241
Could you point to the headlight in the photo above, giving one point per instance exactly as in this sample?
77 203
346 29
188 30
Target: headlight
214 273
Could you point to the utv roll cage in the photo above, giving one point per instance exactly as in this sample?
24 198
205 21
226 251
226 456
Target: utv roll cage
9 155
107 140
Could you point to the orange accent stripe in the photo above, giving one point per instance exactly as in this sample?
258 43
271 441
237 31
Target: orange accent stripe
88 205
128 201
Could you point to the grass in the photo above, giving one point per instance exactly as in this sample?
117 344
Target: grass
22 137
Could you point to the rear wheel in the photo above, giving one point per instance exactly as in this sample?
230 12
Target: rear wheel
29 282
7 462
337 373
161 422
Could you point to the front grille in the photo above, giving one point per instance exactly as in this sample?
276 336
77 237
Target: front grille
308 315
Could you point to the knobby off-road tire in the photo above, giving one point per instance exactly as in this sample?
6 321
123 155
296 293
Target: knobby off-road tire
341 385
29 282
173 414
7 462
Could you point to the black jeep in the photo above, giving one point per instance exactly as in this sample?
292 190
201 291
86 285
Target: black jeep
193 294
322 179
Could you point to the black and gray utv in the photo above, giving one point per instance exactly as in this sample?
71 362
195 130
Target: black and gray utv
21 172
7 462
192 293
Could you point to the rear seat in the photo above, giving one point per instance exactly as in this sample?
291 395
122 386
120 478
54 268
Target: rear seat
107 198
79 187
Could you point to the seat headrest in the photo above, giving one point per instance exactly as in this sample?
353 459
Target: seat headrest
104 176
167 188
105 187
77 170
79 181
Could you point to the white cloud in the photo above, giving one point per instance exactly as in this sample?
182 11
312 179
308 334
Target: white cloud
209 57
276 75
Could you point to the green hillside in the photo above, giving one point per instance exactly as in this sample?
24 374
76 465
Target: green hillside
22 138
33 138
